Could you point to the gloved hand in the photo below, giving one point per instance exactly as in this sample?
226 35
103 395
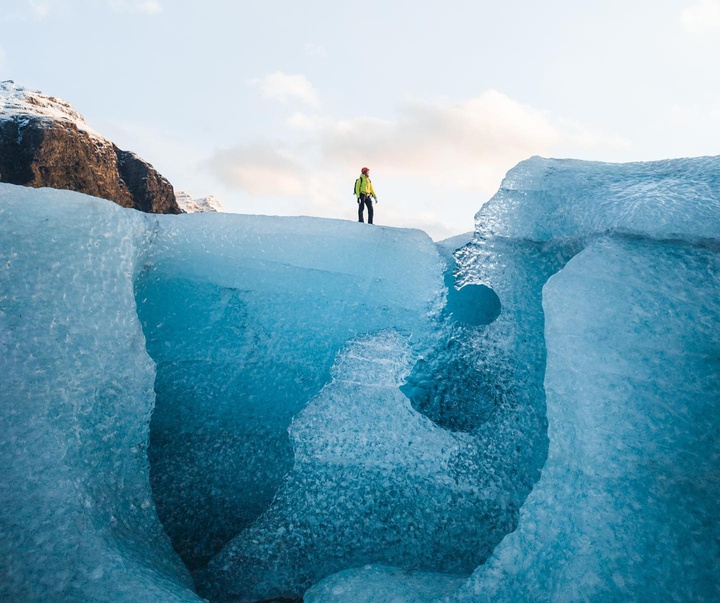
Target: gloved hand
376 201
358 200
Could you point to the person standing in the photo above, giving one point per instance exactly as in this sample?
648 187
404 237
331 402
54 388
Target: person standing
365 195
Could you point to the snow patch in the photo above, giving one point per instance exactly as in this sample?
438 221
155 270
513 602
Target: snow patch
16 101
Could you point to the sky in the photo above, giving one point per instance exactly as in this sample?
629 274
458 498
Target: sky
275 106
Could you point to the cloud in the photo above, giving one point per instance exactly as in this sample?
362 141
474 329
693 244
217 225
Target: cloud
433 164
259 169
702 18
464 146
149 7
40 9
282 87
440 138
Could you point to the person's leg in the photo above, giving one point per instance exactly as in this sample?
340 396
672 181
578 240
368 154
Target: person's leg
368 202
361 204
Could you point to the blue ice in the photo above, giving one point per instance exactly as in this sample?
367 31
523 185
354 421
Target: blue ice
77 518
627 505
272 405
244 316
231 331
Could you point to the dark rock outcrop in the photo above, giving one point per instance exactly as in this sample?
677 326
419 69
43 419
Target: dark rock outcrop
149 190
45 142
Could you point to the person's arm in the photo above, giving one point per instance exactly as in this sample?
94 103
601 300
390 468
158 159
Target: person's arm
372 190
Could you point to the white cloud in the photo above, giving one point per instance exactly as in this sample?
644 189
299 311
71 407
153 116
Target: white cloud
702 18
282 87
434 164
149 7
259 169
464 146
30 9
42 8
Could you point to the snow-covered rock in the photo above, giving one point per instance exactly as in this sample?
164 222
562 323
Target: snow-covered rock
198 206
45 142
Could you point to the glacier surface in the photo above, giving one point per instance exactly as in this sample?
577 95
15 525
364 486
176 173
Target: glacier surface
77 519
530 415
627 505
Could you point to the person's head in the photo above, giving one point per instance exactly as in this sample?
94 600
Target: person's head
365 171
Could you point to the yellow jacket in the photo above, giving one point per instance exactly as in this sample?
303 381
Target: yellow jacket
363 186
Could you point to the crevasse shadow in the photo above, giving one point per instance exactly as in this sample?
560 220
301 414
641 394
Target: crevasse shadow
449 384
213 428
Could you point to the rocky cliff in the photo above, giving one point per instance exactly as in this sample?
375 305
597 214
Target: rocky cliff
45 142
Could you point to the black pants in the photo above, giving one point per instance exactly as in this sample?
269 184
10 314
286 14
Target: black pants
362 202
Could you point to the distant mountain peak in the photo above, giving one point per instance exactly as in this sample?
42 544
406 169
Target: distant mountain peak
196 206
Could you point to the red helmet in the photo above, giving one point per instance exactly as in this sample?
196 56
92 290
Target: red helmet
365 170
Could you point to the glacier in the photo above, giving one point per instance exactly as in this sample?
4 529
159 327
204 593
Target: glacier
244 408
252 322
627 505
77 518
244 316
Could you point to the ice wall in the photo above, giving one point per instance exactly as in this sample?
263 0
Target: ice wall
373 480
77 521
443 498
282 429
627 503
324 404
627 506
244 316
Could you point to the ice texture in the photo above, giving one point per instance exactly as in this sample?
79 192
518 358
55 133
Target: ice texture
357 411
274 340
372 479
244 316
77 520
622 262
555 199
375 584
627 506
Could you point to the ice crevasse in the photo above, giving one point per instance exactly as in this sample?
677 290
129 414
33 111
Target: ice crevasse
241 408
